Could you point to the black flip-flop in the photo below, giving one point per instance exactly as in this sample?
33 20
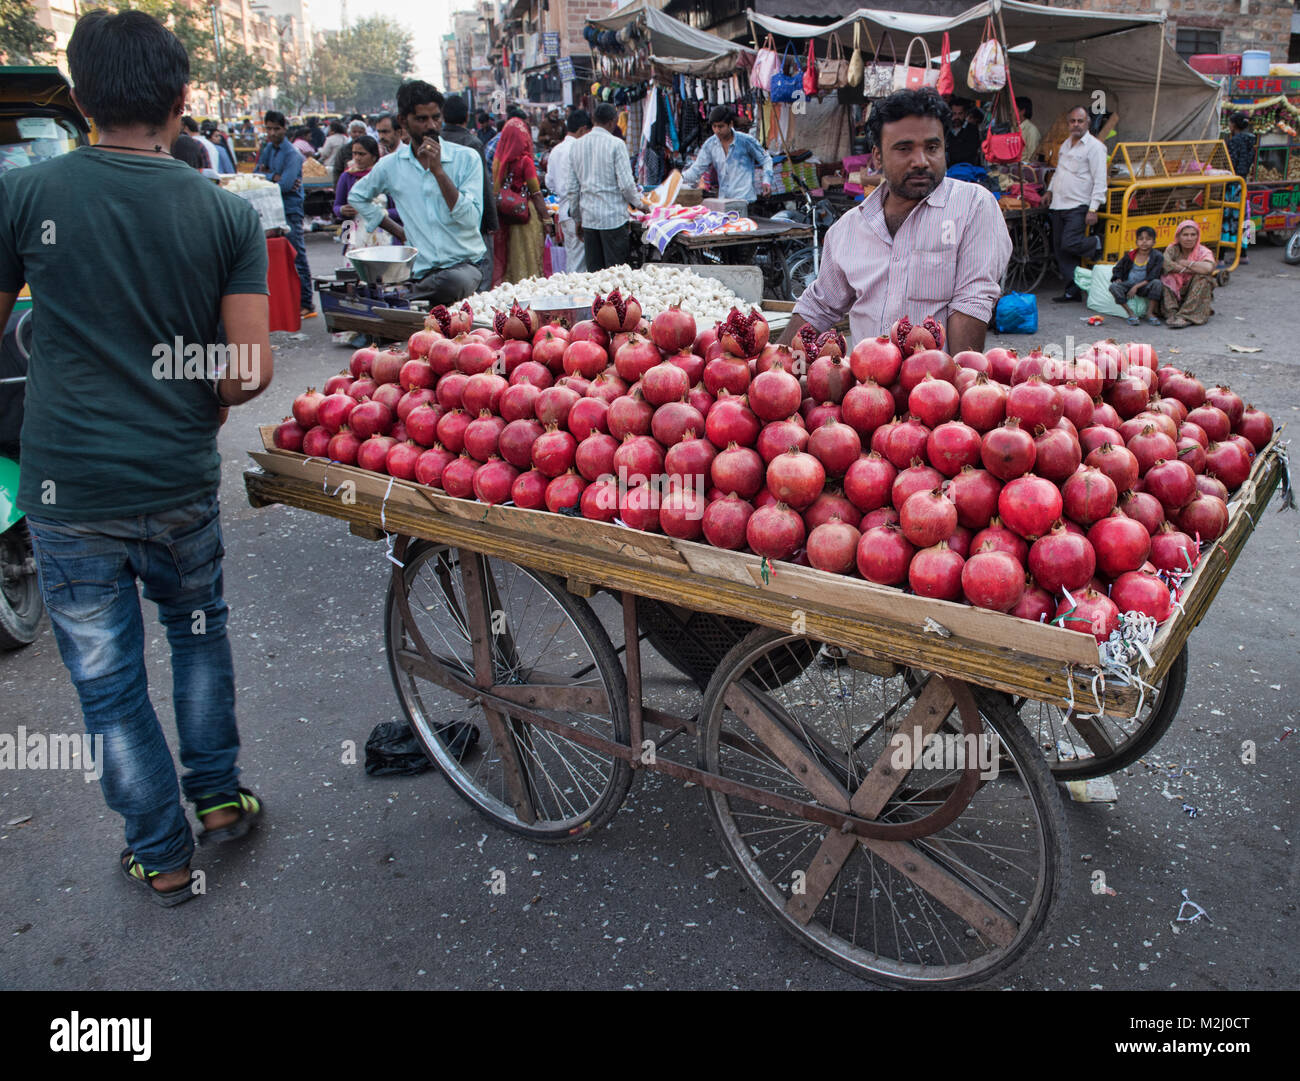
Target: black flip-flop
129 866
250 809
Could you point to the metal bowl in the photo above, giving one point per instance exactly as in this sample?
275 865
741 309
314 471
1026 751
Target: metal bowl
383 266
573 309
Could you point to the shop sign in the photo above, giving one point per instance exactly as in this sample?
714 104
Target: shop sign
566 68
551 43
1070 75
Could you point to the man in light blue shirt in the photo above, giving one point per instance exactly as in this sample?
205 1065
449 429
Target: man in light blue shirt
734 157
438 189
282 163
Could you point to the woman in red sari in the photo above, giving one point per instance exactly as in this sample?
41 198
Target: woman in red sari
518 246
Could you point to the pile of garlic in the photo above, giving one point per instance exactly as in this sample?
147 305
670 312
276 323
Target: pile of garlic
656 287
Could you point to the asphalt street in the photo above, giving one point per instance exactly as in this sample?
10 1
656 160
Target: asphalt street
360 882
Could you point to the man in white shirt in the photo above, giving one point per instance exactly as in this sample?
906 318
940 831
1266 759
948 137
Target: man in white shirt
557 177
1077 189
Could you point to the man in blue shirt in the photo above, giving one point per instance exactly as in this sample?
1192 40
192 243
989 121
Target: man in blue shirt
283 164
438 189
734 157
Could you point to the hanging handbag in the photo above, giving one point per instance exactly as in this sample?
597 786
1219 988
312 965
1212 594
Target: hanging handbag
1009 148
766 63
878 78
785 88
810 73
512 206
833 72
945 86
988 67
908 77
853 77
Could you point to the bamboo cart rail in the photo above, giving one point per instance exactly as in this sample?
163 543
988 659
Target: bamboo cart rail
989 649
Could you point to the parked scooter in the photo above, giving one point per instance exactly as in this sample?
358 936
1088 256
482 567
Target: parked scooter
21 606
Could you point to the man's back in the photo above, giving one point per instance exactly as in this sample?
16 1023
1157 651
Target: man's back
128 258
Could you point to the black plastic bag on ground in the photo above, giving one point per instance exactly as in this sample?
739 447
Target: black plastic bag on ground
393 749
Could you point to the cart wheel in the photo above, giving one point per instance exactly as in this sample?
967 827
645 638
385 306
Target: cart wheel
542 638
1031 257
798 273
1078 748
951 908
1222 277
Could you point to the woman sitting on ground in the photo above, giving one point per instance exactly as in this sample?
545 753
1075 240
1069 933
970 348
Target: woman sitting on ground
1188 278
1137 274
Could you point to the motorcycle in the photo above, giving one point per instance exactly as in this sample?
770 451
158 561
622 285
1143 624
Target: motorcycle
802 262
21 606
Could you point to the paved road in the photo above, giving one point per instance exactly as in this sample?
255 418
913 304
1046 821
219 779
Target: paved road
384 883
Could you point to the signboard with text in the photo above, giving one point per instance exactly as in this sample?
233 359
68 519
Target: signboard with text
551 43
566 68
1070 76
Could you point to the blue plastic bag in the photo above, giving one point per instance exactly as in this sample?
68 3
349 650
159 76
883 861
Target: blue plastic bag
1016 313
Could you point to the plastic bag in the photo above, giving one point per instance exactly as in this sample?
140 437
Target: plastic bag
988 67
1016 313
1094 283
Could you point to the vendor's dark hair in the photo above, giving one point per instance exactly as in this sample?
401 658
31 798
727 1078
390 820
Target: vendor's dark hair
1239 120
720 114
272 117
454 109
606 113
577 120
905 103
189 123
483 118
126 68
1026 107
514 112
369 145
337 128
413 93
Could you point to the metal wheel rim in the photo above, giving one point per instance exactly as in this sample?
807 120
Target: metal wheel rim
479 778
1029 264
850 954
1066 748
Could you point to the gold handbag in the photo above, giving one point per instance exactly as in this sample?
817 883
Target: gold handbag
856 65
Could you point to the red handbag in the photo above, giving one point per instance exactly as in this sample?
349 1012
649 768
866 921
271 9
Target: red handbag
945 85
512 206
1005 149
810 73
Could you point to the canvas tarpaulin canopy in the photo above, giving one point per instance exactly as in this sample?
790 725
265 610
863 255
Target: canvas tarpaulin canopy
676 47
1121 54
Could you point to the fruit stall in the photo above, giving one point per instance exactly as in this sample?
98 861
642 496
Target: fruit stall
913 588
1273 190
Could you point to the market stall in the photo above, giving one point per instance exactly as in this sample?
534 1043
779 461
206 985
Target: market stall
1272 104
528 564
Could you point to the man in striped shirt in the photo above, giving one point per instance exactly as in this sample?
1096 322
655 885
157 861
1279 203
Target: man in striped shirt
600 187
920 245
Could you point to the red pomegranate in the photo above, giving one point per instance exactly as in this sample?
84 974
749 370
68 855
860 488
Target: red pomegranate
869 481
774 395
997 537
1121 543
1256 426
288 435
370 418
1205 517
935 572
1092 613
738 470
725 522
305 408
795 478
430 464
1141 591
1142 507
743 335
776 532
1088 495
984 404
1029 505
731 421
1008 451
974 492
1172 550
515 442
884 555
992 579
915 478
1062 559
833 546
876 360
927 518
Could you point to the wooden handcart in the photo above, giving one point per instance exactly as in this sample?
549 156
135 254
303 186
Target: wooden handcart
834 712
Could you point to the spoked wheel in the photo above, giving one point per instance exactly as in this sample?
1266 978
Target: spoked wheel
799 273
952 907
1031 257
21 606
1077 747
544 651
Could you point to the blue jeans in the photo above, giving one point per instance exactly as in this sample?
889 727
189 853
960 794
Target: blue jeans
300 263
88 573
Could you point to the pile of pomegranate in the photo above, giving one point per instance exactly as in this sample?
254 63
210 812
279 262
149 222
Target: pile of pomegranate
1068 491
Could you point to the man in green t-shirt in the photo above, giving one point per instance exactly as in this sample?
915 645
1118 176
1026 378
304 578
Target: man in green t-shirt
137 265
